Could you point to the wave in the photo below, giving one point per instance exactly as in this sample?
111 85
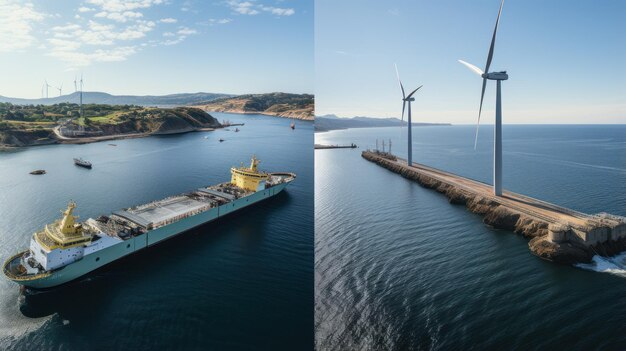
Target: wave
613 265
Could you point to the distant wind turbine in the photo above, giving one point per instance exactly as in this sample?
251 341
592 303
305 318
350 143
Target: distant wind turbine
60 89
408 99
46 86
75 88
81 95
498 77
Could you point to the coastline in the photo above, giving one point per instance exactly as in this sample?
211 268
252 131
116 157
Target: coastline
56 139
303 116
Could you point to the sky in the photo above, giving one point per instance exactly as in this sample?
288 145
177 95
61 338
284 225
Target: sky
566 59
154 47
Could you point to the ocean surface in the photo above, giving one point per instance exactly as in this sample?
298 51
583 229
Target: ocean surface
399 268
244 282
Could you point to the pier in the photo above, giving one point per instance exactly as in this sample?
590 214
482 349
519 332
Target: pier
323 147
557 233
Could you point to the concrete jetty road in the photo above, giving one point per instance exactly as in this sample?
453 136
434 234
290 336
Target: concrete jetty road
324 147
521 203
558 233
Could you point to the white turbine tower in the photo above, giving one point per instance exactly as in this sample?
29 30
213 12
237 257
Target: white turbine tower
408 99
75 88
498 77
46 85
81 95
60 89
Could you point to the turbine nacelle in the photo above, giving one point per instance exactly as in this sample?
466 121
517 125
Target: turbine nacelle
409 99
495 75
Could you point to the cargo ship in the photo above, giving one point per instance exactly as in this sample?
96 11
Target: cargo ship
67 249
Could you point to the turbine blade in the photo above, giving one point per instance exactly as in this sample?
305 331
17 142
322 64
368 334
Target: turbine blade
493 39
413 92
472 67
403 105
399 81
480 110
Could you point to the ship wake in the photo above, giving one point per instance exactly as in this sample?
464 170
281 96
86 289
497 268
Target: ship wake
614 265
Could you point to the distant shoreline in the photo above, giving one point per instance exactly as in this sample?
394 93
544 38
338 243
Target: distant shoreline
368 127
288 114
89 140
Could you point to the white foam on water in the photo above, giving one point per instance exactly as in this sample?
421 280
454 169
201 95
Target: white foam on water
13 324
613 265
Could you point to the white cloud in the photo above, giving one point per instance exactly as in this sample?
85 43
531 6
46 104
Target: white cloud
252 8
99 55
214 21
80 45
123 5
66 28
186 31
111 30
242 7
119 16
16 25
279 11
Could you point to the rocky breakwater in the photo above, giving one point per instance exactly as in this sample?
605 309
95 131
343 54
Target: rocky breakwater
556 234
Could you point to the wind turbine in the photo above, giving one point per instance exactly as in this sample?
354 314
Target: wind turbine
60 89
498 77
75 88
408 99
81 95
47 86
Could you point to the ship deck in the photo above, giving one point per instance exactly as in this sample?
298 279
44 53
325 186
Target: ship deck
171 209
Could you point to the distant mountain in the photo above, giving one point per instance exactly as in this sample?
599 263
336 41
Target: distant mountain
299 106
332 122
91 97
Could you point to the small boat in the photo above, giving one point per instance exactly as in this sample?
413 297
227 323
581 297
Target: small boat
221 140
112 144
82 163
236 130
206 137
38 171
293 125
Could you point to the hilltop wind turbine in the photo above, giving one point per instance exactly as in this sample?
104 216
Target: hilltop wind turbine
75 88
60 89
46 85
498 77
408 99
81 95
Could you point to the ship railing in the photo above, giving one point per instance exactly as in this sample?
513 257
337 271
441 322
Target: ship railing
11 275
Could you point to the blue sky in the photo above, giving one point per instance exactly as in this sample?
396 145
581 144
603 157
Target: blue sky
566 59
145 47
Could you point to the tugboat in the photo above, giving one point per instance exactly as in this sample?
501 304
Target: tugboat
82 163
